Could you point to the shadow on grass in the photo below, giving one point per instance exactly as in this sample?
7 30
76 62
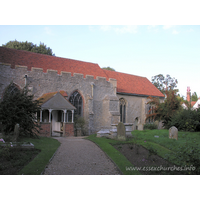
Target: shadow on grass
118 158
48 147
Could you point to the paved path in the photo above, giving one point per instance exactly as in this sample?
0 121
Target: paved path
78 156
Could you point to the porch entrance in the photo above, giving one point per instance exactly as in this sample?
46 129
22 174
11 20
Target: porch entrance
55 111
57 123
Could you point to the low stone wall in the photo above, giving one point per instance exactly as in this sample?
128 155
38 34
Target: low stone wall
112 133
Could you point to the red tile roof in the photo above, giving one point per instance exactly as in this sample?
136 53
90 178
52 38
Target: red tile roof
192 103
30 59
45 97
126 83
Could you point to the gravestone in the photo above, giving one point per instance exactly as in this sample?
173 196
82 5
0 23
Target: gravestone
121 131
16 132
173 133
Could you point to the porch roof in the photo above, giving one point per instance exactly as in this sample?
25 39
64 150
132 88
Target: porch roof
55 101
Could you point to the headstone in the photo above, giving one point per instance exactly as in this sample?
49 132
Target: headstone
121 131
173 133
16 132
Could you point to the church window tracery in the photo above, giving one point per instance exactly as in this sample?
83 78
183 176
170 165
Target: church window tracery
122 108
76 100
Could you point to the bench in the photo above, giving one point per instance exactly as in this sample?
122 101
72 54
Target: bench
58 131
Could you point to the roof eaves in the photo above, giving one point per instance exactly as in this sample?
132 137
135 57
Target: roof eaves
138 95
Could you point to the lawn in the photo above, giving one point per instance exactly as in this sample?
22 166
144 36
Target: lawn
28 162
48 147
183 152
118 158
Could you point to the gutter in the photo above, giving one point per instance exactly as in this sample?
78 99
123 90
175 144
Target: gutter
138 95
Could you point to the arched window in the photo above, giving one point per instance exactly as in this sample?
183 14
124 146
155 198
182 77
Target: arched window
150 111
122 108
76 100
12 89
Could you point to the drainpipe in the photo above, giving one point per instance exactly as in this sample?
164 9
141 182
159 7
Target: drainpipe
26 76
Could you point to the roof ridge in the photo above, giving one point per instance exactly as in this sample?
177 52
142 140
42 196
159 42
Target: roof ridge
124 73
12 49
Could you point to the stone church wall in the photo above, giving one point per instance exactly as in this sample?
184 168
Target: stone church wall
135 110
100 103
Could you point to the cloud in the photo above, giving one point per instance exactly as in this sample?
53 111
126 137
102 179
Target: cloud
175 32
167 26
190 30
106 28
126 29
119 29
152 28
48 31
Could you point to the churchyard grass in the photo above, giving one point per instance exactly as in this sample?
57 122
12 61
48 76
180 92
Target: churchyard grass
163 140
182 152
48 146
179 151
119 159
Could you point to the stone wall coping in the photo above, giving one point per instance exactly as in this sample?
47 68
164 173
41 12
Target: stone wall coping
52 70
5 64
100 77
20 66
64 72
78 74
36 68
87 76
125 124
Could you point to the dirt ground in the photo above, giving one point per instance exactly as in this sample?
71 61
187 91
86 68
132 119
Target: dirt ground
140 157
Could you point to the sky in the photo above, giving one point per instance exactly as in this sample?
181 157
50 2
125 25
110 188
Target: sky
143 50
144 38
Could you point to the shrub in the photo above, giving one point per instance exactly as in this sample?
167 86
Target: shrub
150 126
166 110
18 107
186 120
79 123
188 156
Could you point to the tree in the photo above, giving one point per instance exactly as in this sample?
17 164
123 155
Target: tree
164 83
17 107
108 68
194 97
29 46
166 110
186 120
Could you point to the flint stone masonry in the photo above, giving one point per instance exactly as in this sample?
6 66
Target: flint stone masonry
97 105
135 109
173 133
100 96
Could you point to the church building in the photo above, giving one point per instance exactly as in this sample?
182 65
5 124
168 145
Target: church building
72 88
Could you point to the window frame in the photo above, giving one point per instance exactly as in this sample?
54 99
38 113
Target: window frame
122 110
